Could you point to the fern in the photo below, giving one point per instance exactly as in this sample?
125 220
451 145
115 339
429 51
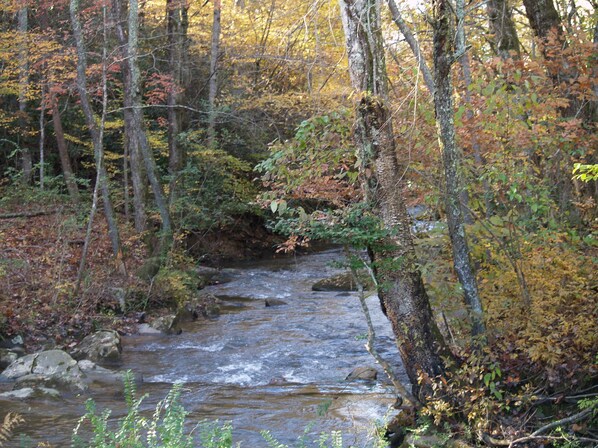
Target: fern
11 421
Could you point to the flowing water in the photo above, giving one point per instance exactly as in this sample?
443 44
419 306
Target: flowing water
277 368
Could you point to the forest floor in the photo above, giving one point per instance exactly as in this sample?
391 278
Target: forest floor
41 243
39 263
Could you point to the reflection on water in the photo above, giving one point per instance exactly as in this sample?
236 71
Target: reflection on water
261 367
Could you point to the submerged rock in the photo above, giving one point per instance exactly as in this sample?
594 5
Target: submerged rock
166 324
342 282
274 302
102 346
30 392
363 373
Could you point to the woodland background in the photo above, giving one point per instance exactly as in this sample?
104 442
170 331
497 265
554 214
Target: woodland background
154 114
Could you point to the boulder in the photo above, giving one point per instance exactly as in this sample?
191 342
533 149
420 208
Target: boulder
147 329
274 302
53 368
342 282
166 324
103 346
95 374
204 305
363 373
30 392
7 357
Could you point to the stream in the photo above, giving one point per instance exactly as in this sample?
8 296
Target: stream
280 368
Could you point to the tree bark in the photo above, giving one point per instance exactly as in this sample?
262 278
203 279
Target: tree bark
138 175
139 129
65 161
213 84
22 29
543 17
173 19
402 293
443 103
94 130
505 40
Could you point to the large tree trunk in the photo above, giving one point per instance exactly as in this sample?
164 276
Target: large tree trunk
138 176
443 102
96 134
402 294
543 17
22 29
138 128
213 84
505 41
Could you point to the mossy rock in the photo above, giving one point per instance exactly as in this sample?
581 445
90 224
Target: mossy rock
176 287
343 282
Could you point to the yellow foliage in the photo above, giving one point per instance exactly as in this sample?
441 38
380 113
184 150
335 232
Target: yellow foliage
558 327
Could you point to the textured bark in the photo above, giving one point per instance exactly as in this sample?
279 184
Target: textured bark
22 29
505 40
543 17
96 134
402 293
138 128
65 160
138 175
213 84
443 103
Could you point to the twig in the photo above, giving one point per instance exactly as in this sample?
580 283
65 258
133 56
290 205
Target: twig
538 433
399 387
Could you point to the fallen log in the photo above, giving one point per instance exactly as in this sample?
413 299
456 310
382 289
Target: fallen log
29 214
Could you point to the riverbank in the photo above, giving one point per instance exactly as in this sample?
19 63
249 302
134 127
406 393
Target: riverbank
41 241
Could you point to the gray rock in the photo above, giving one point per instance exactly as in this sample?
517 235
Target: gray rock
53 362
7 357
30 392
97 374
363 373
20 394
20 367
102 346
53 368
342 282
49 392
147 329
274 302
166 324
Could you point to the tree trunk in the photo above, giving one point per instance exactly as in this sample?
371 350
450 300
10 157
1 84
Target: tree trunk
174 17
413 44
213 88
65 161
42 135
138 176
22 29
543 17
96 133
139 129
504 40
402 294
443 103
